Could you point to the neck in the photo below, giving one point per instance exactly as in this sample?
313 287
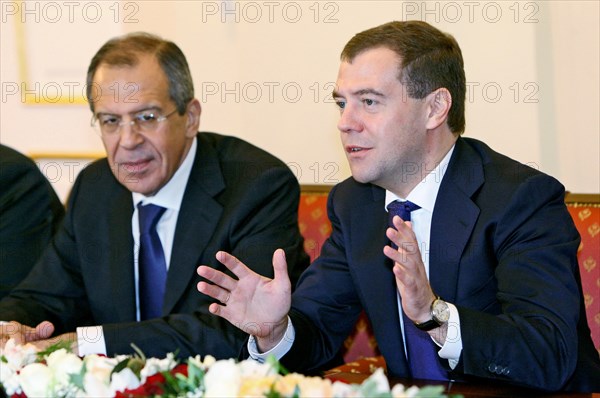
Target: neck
435 151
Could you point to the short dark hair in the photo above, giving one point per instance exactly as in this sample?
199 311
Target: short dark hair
430 59
126 50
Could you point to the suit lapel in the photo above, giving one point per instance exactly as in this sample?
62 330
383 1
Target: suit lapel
198 218
375 279
120 255
454 218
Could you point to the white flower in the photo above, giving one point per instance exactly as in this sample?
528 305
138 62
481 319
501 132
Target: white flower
63 363
209 360
381 382
196 361
36 380
399 391
19 355
308 386
97 378
252 368
154 365
124 380
98 368
9 379
341 390
222 379
94 387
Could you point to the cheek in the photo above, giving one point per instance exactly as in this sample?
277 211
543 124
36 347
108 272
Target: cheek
110 148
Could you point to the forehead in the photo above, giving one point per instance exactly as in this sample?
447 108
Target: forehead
371 68
125 87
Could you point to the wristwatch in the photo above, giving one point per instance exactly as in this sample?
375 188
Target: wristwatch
440 313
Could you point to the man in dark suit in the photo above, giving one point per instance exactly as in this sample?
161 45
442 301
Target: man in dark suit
93 286
30 213
464 260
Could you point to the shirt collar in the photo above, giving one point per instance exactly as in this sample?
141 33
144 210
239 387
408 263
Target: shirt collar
171 194
425 193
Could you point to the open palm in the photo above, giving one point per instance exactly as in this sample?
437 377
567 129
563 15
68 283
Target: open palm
253 303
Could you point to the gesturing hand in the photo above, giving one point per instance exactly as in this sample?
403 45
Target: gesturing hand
409 270
253 303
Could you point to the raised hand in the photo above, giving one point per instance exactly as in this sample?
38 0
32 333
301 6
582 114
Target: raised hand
253 303
409 270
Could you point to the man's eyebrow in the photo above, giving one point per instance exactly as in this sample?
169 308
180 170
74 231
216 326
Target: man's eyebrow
361 92
369 91
145 109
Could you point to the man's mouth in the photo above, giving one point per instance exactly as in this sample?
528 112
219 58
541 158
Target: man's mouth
355 149
135 166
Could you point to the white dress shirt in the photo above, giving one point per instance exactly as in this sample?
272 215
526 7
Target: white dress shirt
91 338
424 195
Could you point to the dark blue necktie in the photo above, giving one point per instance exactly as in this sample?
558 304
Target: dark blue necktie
151 261
423 359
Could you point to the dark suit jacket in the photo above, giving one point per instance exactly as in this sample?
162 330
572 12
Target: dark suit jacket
238 198
30 213
503 250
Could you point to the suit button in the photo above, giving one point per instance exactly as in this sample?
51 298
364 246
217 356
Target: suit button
505 371
493 368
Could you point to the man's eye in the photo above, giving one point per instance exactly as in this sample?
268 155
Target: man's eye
340 104
108 120
369 102
146 117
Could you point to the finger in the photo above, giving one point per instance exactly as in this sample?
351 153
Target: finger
215 309
403 227
404 239
216 277
8 329
214 291
223 312
44 330
238 268
280 269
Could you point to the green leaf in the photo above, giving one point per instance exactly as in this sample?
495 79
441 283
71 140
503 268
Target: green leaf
275 364
77 378
272 393
54 347
139 353
136 365
431 391
120 366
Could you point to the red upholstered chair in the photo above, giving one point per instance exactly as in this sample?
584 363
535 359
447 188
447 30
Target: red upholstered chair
585 210
316 228
312 218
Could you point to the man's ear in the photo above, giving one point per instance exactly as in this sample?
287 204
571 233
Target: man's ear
194 110
439 103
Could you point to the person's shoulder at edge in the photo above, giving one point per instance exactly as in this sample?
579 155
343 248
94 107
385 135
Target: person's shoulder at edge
235 149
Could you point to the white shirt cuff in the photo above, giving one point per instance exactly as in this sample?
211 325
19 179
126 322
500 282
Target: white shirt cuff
452 348
279 350
90 340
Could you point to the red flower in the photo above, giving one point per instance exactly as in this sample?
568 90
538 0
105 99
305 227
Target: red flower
180 369
153 386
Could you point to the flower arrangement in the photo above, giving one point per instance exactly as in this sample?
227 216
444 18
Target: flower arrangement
56 372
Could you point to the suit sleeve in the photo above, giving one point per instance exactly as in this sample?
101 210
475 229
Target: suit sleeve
30 214
325 306
532 340
53 290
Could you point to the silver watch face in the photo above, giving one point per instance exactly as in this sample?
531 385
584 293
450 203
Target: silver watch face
440 311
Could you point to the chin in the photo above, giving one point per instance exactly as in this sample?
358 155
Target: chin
141 187
360 178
